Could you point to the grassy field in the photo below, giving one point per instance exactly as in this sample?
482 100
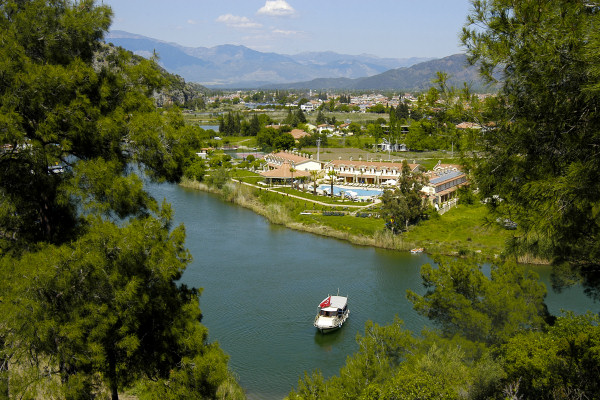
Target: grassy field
348 224
462 230
243 175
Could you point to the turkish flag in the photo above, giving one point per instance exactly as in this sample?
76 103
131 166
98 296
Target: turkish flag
326 302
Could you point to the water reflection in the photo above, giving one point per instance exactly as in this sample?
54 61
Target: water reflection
327 340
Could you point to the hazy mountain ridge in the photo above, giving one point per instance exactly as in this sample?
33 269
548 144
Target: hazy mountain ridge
417 77
238 66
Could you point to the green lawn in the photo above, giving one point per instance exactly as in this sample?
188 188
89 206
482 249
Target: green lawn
246 176
462 230
348 223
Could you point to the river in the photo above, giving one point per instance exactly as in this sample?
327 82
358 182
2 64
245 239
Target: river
262 284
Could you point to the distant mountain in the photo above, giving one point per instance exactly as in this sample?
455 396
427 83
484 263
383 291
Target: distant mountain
417 77
228 66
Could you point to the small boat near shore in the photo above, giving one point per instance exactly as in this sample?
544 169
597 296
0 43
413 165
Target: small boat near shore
333 312
417 250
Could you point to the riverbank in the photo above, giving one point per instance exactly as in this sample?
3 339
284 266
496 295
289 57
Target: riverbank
461 232
278 214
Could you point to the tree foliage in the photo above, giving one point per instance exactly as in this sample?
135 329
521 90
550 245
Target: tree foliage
230 124
404 204
89 261
311 140
563 362
542 157
462 300
271 138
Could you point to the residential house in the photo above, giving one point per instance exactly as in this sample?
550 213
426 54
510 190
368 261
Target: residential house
203 154
468 125
326 127
307 107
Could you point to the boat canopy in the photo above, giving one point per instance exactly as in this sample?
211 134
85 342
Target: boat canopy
335 302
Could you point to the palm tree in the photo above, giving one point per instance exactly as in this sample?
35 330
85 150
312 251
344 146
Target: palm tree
292 170
332 174
314 174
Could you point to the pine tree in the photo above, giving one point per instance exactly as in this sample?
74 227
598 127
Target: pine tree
320 118
541 158
89 261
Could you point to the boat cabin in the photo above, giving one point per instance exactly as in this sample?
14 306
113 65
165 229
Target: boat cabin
332 312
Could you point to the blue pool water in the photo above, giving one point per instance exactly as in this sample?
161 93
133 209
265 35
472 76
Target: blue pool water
359 192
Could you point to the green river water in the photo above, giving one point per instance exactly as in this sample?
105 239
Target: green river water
262 284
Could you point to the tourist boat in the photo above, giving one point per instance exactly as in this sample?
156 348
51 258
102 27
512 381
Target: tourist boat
417 250
333 312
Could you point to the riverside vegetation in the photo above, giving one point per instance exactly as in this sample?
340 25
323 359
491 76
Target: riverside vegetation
465 230
89 302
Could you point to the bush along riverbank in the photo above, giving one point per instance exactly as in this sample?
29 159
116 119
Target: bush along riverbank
461 232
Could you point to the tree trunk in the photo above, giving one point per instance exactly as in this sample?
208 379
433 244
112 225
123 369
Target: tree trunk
112 375
4 389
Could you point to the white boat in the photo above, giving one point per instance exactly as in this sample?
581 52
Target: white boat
333 312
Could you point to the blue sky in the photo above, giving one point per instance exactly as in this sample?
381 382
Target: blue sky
385 28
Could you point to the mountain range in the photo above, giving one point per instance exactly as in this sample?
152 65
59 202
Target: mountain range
233 66
416 78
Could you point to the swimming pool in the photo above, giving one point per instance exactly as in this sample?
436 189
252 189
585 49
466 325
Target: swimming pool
359 192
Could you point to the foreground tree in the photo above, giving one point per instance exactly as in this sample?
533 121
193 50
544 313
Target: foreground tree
562 362
88 260
460 299
404 204
542 157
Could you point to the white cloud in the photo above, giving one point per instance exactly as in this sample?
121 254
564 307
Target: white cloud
191 22
285 33
238 22
277 8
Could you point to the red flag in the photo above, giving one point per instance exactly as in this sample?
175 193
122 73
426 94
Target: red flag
326 302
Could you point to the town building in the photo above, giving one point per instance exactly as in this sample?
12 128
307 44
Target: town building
298 134
368 172
295 159
285 173
444 181
386 145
